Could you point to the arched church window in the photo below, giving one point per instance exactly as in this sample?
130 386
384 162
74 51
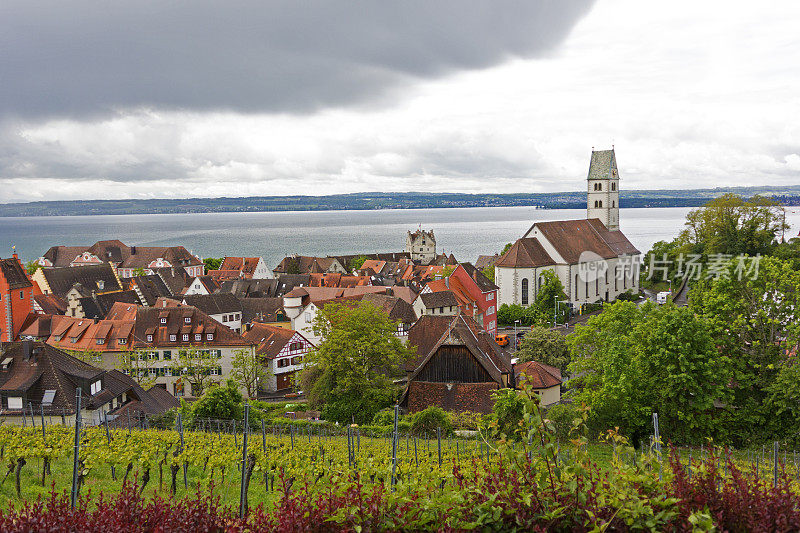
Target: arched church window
601 203
595 203
524 291
613 186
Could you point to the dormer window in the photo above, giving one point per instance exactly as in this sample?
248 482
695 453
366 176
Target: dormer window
187 320
163 320
173 338
122 341
210 336
185 337
96 387
198 336
149 338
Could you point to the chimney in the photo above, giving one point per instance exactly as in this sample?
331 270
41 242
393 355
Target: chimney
27 349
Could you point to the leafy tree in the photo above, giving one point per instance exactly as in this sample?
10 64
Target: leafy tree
32 266
135 363
662 256
551 291
196 365
541 311
447 270
222 402
212 263
789 251
139 272
732 225
92 357
248 370
784 402
754 323
507 247
631 361
357 262
545 346
357 359
489 273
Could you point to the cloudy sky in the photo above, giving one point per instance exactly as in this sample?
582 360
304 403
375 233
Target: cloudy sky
197 98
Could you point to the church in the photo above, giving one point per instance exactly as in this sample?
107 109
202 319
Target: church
592 257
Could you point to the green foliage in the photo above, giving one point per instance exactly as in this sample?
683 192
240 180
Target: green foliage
384 417
732 225
212 263
632 361
507 247
545 346
628 296
350 372
663 255
359 408
789 251
135 364
139 272
489 273
754 323
447 270
466 420
562 417
222 402
357 262
248 370
509 411
541 312
195 365
425 422
32 266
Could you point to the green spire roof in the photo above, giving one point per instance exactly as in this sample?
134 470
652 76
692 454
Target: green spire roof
602 164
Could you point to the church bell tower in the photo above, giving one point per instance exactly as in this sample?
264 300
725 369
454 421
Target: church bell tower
603 191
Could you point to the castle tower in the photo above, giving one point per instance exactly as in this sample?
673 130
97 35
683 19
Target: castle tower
421 245
603 188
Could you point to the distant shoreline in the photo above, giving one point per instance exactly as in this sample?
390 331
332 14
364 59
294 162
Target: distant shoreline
369 201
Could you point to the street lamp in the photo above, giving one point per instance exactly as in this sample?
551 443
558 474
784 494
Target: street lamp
515 335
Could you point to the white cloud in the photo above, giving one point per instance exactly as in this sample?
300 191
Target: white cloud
692 94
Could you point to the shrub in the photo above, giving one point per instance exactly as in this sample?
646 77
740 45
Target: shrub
384 417
222 402
562 416
466 420
509 408
425 422
359 409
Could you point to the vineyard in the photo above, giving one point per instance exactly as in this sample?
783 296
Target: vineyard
222 476
174 463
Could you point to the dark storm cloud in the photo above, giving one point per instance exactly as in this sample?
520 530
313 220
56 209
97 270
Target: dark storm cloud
77 58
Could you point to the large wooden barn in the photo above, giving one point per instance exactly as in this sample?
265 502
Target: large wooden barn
459 366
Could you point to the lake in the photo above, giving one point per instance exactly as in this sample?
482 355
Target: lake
466 232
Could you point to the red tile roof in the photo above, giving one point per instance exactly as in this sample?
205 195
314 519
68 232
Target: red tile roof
539 375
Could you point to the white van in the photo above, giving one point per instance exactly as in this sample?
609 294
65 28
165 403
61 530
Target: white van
662 297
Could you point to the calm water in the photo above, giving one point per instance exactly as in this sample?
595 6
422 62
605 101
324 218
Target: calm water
466 232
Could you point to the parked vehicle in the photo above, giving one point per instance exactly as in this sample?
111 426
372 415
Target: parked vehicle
662 297
501 339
